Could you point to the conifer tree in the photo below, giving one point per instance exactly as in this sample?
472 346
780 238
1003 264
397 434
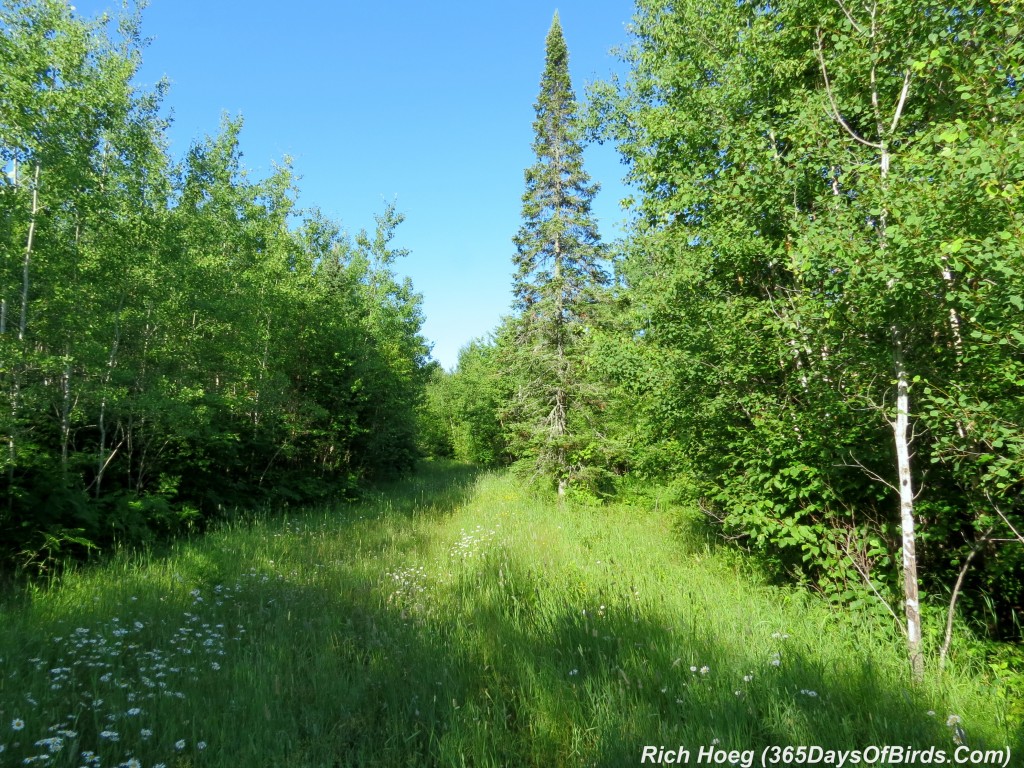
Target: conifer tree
558 267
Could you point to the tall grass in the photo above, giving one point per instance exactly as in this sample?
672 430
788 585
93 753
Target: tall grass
454 619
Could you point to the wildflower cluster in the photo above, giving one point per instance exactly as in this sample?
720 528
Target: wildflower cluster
474 543
747 680
101 692
406 587
954 723
776 657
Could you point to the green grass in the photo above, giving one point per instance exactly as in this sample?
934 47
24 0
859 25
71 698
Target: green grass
455 619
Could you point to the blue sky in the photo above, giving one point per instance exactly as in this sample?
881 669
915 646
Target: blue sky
429 104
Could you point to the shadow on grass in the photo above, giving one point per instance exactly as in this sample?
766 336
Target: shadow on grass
277 661
586 686
348 665
438 486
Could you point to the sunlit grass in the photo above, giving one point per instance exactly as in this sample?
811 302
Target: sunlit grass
454 619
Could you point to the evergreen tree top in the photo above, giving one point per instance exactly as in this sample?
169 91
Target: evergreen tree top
556 51
556 94
558 245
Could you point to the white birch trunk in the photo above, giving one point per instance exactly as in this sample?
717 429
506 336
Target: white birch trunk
954 327
65 413
103 459
12 451
901 424
885 130
900 427
23 323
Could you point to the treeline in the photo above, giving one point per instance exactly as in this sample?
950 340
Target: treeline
815 330
176 339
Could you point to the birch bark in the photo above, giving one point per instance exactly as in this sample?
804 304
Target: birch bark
885 131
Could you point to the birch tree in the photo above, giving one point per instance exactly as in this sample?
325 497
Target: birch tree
802 207
169 345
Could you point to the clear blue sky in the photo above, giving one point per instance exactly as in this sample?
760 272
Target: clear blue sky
429 104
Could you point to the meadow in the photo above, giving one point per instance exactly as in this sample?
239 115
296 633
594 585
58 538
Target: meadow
457 619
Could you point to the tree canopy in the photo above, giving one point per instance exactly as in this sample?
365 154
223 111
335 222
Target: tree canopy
813 336
172 345
825 280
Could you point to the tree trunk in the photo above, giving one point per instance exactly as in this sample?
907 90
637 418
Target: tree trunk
899 428
886 130
559 414
12 451
65 413
951 612
558 427
22 325
103 460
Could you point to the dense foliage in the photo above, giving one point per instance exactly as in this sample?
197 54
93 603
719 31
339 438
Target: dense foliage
814 333
172 343
461 410
829 248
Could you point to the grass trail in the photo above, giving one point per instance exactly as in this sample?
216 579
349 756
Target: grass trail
453 619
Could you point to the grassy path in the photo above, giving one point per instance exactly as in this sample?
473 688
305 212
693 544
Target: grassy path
452 620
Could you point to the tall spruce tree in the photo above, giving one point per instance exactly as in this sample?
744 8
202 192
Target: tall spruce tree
558 267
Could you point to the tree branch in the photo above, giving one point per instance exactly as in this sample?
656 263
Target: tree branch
902 101
1004 518
106 464
831 99
867 580
956 594
873 475
849 17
